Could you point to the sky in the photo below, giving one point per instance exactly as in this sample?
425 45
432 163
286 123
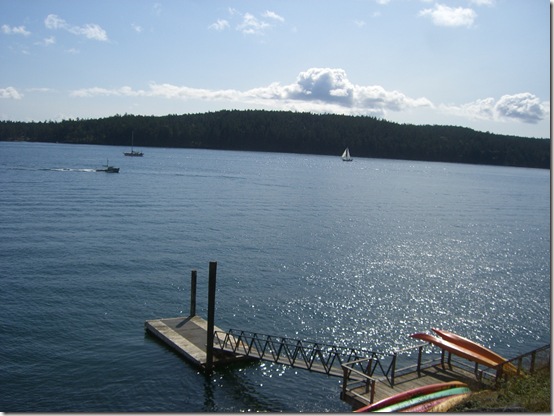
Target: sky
482 64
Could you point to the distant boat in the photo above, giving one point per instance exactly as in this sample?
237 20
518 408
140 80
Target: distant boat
133 152
346 156
108 168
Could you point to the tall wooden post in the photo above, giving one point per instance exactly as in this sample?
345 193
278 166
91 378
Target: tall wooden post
211 317
193 293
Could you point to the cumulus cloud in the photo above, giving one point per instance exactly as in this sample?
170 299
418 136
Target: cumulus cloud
322 84
90 31
524 107
328 90
315 90
442 15
16 30
10 93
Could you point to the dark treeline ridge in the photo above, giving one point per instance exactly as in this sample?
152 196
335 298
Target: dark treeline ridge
291 132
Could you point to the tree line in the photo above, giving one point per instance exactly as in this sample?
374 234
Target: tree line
291 132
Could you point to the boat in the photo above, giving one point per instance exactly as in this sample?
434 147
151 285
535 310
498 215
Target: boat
478 348
409 394
133 152
414 401
346 156
108 168
456 349
440 405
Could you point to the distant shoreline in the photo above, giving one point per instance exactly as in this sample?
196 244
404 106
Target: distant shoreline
289 132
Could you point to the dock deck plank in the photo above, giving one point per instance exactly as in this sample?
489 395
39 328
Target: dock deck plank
431 375
188 337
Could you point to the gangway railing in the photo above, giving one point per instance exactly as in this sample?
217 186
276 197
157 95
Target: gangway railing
310 355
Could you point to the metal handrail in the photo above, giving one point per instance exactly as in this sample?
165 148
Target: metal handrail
311 355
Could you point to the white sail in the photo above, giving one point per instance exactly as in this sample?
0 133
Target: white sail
346 155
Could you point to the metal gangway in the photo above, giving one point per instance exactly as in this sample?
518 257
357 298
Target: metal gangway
309 355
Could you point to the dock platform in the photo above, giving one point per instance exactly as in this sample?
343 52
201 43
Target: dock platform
188 337
359 397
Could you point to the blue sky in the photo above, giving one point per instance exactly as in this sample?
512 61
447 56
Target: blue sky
483 64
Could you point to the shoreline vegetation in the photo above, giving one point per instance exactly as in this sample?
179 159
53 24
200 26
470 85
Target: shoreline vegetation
518 394
291 132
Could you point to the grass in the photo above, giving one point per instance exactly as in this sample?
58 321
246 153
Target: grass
523 394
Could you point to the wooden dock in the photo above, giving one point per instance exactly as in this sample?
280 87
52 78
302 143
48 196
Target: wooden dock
188 337
207 346
359 397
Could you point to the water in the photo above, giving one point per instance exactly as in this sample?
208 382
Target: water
359 254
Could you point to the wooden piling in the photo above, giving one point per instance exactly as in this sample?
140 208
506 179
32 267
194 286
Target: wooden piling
193 293
193 337
211 316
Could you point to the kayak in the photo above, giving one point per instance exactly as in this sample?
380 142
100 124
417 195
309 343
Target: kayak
438 405
424 398
405 395
456 349
477 348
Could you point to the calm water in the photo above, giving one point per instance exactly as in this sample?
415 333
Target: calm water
358 254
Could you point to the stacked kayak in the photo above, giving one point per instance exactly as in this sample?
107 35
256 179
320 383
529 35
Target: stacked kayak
467 349
432 398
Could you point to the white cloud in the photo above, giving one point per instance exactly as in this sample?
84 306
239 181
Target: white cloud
272 15
442 15
483 2
47 41
90 30
136 28
54 22
247 23
251 25
524 107
315 90
322 84
10 93
328 90
16 30
219 25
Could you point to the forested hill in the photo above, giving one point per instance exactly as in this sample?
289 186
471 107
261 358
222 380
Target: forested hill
288 132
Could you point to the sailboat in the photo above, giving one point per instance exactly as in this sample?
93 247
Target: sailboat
133 152
346 156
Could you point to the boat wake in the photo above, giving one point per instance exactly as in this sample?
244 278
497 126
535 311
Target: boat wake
68 170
